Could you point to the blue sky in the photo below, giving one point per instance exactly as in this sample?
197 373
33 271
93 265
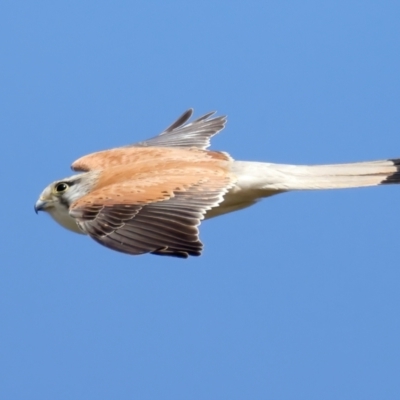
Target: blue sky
295 298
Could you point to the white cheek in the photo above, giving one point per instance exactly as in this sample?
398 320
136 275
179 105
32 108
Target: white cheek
60 215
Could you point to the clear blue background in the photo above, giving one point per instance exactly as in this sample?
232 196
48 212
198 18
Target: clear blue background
295 298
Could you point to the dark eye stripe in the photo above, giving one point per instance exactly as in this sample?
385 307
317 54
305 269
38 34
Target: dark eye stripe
67 184
74 182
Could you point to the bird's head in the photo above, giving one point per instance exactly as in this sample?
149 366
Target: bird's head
57 198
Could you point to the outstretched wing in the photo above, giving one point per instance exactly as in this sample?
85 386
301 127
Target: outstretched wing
176 139
194 134
160 218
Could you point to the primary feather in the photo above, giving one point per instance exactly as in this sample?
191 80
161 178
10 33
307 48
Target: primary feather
150 197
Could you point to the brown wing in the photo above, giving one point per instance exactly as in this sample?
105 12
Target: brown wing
195 134
175 139
159 216
139 156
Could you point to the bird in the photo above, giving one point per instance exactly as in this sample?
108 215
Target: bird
151 196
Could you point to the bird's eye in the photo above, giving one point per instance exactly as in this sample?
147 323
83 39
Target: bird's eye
61 187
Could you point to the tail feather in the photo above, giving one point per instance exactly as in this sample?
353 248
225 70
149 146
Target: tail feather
281 177
338 176
395 176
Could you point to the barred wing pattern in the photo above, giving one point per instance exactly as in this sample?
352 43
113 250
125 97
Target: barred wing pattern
167 226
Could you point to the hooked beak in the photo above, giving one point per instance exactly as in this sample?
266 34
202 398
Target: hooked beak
40 205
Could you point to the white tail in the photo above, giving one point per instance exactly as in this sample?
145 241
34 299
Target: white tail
281 177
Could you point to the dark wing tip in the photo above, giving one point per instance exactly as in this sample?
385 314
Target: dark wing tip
176 253
181 120
395 176
206 116
185 134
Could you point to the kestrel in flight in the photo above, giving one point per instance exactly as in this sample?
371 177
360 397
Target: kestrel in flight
150 197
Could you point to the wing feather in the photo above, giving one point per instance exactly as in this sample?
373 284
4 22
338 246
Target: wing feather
166 224
171 142
194 134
